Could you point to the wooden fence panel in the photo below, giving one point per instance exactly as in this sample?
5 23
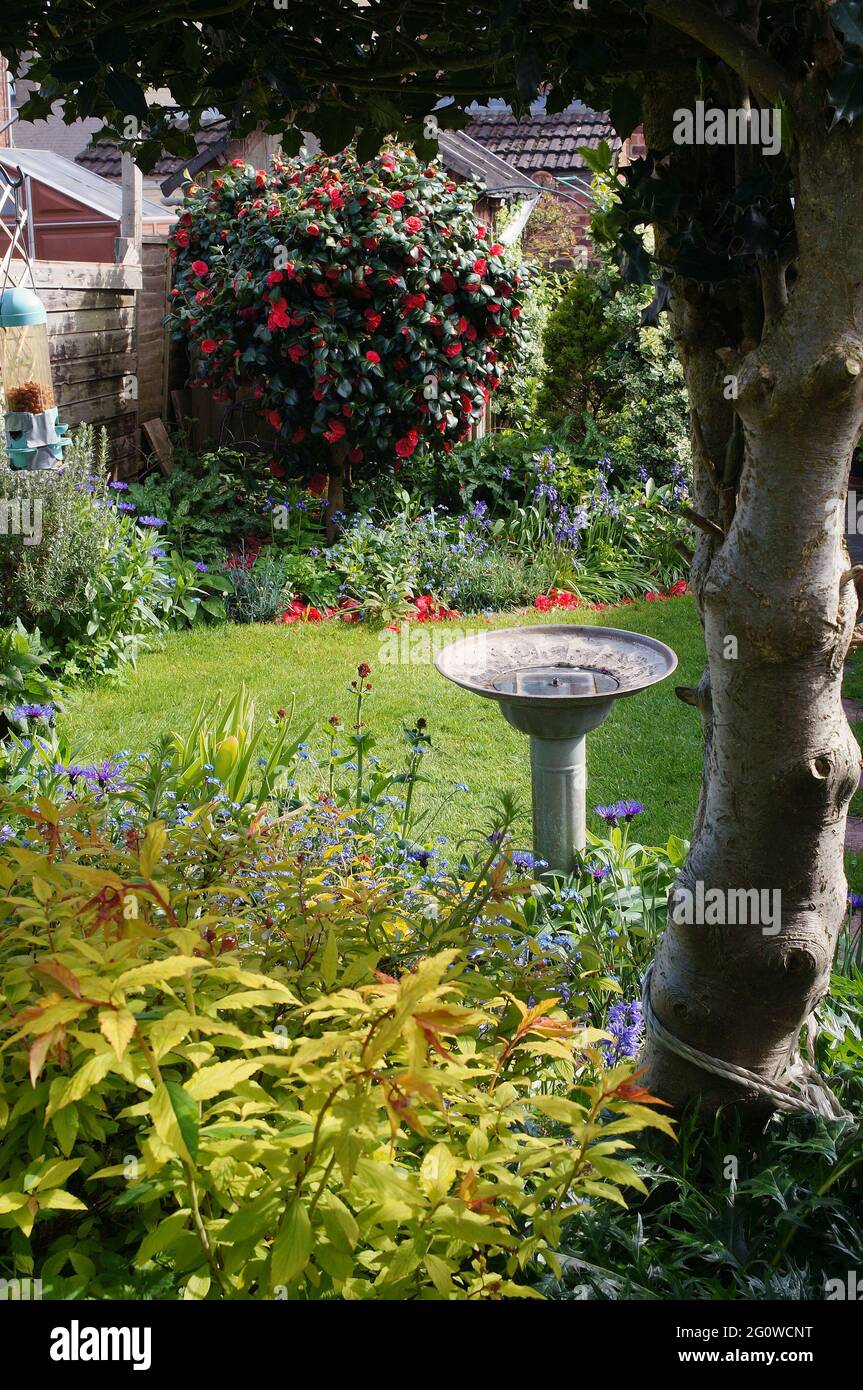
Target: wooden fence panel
92 314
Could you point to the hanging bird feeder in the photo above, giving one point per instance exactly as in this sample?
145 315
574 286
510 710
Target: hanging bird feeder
34 437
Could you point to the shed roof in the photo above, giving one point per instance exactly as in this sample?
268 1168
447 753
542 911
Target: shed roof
104 156
541 141
85 187
470 159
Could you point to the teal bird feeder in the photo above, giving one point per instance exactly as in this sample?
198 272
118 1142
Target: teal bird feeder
34 436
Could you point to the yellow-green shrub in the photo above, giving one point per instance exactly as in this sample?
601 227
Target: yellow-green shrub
209 1088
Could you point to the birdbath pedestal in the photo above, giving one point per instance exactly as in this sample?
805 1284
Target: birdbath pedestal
555 683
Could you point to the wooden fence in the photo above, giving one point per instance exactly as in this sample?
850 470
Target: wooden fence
92 340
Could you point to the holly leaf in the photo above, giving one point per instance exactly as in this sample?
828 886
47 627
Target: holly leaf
845 93
846 16
625 110
126 94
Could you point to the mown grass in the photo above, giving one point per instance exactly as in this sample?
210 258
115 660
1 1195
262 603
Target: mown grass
650 747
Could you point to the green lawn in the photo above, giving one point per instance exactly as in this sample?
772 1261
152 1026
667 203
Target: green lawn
650 747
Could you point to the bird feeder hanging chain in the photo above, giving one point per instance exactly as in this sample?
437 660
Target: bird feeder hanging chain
802 1090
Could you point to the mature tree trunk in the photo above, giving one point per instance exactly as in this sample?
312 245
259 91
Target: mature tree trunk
778 606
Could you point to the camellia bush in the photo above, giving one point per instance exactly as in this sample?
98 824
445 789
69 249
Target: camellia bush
363 303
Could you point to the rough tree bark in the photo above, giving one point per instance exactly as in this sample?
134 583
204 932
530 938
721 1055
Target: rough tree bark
781 763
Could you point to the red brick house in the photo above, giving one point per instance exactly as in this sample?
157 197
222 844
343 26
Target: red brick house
545 147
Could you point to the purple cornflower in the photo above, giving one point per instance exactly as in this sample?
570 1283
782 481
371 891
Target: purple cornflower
126 507
102 775
156 552
630 809
523 859
626 1026
597 871
609 814
201 567
152 521
855 900
32 711
119 487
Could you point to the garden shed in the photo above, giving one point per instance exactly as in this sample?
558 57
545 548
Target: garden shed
99 259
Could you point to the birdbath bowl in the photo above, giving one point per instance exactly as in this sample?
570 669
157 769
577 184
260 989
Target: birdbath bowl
556 683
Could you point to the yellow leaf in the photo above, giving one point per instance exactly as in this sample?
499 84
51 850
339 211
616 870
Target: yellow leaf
292 1246
153 848
157 970
437 1172
117 1025
166 1124
87 1076
222 1076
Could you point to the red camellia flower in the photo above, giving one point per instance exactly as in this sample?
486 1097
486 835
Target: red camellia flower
413 224
182 238
355 456
200 268
297 352
414 301
274 418
480 266
406 446
336 431
396 201
448 282
298 436
209 345
373 357
278 316
275 277
313 229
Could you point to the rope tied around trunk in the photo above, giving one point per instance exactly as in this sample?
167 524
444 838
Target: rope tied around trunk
801 1090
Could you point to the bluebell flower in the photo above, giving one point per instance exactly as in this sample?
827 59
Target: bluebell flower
626 1025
